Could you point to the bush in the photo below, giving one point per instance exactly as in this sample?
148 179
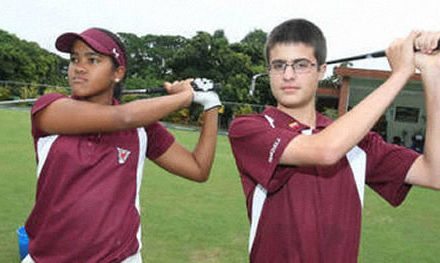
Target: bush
28 92
181 117
243 109
5 93
62 90
331 113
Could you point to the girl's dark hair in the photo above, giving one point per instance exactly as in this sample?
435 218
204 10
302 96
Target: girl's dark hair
119 87
298 31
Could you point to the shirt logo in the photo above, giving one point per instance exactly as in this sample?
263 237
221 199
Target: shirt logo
293 125
122 155
270 120
273 149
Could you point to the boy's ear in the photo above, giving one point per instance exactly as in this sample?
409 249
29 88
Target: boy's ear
322 70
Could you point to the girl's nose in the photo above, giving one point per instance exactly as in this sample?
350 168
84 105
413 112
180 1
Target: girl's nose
79 68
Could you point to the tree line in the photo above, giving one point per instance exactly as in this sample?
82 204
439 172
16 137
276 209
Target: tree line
153 59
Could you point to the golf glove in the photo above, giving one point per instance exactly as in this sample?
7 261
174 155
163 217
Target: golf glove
204 94
208 99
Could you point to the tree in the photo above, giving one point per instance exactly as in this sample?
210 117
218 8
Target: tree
253 46
28 62
334 81
148 57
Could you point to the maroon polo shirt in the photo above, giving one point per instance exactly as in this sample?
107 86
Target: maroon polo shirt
87 198
310 214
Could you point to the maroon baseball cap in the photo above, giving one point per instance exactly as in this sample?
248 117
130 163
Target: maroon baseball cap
98 40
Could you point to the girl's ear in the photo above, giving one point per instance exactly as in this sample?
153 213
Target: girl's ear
119 73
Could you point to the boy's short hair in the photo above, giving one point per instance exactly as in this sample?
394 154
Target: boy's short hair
298 31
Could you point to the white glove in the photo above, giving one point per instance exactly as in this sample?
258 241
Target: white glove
208 99
204 94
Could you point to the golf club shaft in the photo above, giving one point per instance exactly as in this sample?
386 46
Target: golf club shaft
376 54
7 102
155 90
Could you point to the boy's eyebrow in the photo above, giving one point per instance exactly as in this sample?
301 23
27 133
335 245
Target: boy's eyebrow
293 61
278 61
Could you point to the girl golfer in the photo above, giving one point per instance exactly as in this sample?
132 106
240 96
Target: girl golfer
90 153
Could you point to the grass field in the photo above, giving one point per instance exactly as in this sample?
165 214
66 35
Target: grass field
188 222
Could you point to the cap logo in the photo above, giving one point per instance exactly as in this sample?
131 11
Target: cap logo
122 155
115 53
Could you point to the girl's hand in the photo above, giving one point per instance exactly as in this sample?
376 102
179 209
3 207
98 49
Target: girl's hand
182 87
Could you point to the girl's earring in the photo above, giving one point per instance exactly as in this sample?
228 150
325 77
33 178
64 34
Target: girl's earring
117 80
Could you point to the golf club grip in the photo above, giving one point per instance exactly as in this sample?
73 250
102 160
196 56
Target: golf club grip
155 90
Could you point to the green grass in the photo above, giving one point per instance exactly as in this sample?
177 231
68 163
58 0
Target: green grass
188 222
409 233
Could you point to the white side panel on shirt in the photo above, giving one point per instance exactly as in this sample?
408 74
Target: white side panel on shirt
143 144
43 147
257 206
357 158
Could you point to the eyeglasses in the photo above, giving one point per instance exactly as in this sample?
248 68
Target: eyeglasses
300 66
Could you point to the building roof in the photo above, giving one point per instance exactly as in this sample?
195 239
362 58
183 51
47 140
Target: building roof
368 73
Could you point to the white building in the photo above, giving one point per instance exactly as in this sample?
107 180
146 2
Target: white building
405 117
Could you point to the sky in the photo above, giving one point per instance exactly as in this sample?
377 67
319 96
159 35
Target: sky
352 27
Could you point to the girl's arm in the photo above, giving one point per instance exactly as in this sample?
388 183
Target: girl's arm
194 165
69 116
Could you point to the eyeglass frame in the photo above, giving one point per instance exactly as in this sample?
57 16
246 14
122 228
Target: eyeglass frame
294 62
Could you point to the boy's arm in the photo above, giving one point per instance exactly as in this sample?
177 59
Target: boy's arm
426 169
331 144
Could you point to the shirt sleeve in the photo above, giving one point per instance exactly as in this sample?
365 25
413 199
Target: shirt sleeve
159 140
39 105
257 147
387 167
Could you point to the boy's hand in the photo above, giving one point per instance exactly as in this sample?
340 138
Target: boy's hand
400 55
428 57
